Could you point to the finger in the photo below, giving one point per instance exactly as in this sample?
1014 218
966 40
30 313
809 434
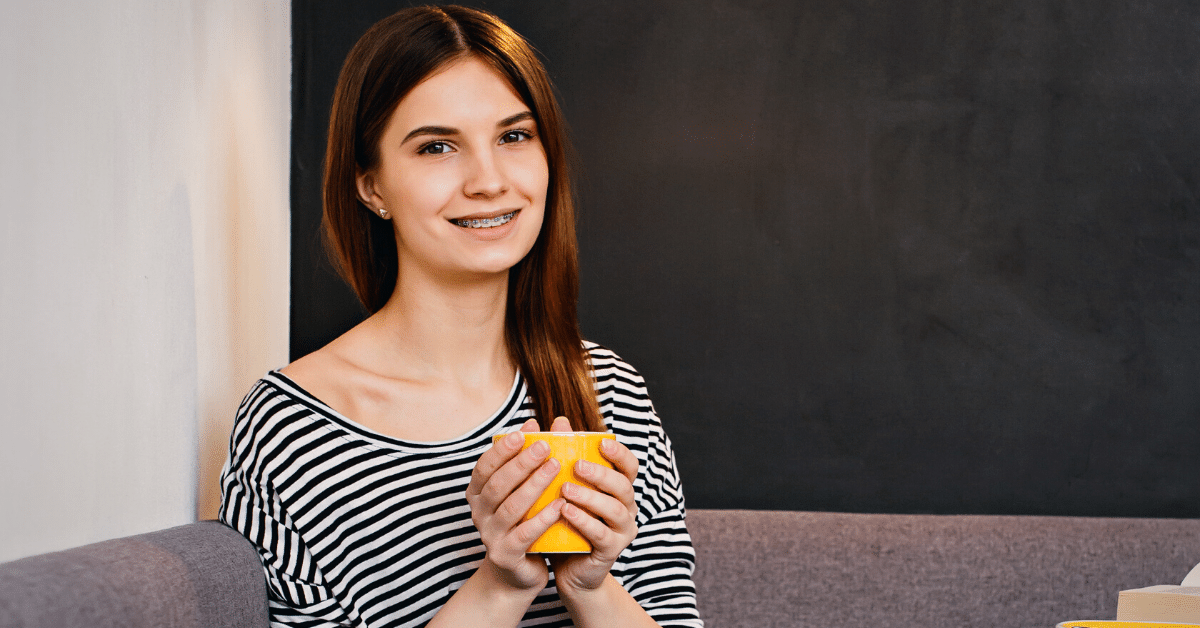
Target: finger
607 481
525 534
615 513
623 459
561 424
514 507
494 458
607 544
530 425
504 480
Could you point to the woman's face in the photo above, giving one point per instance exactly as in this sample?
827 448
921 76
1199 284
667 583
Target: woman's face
462 174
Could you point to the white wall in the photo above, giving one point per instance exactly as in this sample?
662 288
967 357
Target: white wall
143 255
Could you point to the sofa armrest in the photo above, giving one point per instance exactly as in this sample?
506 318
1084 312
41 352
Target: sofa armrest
198 575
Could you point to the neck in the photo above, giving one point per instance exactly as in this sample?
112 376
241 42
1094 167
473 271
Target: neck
445 330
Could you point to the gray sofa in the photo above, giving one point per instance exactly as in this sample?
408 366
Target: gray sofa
754 569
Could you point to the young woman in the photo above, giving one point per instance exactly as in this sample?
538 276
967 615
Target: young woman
364 473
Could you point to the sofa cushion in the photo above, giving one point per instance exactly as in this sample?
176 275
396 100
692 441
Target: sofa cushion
773 569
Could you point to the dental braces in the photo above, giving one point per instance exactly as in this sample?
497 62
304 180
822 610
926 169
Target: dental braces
480 223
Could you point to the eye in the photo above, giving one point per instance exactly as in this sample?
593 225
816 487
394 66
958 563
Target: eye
515 135
434 148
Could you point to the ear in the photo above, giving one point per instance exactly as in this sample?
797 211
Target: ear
365 182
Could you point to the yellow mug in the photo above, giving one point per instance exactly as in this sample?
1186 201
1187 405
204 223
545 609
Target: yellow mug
568 448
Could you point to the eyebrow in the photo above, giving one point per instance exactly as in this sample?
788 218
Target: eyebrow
520 117
445 130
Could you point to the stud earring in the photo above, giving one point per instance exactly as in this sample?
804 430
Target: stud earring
382 213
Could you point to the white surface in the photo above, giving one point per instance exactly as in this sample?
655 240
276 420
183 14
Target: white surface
1192 579
138 142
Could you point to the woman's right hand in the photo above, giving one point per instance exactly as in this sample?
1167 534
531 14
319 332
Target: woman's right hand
504 485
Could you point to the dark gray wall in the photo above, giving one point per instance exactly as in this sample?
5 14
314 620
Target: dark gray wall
871 255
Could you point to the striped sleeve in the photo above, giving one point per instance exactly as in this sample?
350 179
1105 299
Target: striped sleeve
296 589
657 566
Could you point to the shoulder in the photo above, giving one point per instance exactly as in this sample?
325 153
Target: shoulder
271 396
607 366
274 413
326 374
621 392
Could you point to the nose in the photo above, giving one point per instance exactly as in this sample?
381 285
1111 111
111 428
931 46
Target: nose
486 177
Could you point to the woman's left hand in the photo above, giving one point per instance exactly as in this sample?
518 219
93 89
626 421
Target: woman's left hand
606 516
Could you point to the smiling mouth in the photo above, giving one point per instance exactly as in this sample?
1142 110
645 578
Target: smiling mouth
485 223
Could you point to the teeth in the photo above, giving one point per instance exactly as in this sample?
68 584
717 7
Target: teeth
484 223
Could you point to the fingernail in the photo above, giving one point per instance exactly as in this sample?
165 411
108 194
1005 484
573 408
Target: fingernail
550 467
569 510
586 468
570 490
516 439
608 445
540 448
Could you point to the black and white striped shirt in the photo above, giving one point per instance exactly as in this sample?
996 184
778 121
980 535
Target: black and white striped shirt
355 528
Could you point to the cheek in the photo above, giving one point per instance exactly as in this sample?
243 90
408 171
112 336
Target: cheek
535 178
426 190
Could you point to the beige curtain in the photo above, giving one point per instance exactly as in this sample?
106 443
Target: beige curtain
240 232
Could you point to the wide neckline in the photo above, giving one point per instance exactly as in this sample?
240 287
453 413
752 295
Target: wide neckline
484 429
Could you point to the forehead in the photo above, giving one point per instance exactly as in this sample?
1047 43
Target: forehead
464 93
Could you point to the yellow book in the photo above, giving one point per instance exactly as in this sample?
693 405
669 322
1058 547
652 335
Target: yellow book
1164 602
1108 623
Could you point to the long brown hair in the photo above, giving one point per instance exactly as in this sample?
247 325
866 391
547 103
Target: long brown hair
541 322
